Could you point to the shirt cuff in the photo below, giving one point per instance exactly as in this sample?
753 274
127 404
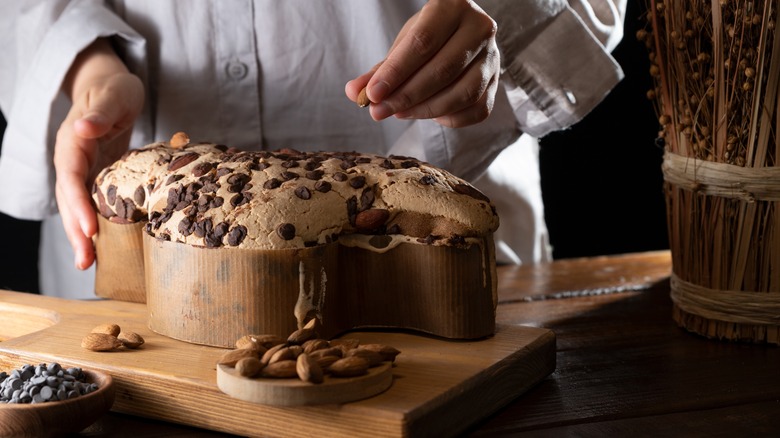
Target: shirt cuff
553 82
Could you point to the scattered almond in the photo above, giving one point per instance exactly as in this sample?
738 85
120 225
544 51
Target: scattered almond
388 353
282 370
267 341
231 357
249 366
179 140
349 367
333 351
130 339
372 357
266 357
325 361
314 345
284 353
100 342
109 329
308 369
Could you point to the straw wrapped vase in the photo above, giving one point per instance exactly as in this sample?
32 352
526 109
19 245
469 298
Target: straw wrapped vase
716 68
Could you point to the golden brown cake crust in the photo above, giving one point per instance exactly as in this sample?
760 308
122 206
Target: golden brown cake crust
213 196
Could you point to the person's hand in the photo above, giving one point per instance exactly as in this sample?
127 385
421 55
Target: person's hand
444 65
96 132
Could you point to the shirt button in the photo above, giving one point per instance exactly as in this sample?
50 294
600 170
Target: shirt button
236 70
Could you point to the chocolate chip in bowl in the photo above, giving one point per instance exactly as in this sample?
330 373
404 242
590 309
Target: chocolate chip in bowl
48 400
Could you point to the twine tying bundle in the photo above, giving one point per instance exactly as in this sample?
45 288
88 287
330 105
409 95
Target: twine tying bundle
720 179
731 306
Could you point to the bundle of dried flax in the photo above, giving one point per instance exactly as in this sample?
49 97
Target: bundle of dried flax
716 67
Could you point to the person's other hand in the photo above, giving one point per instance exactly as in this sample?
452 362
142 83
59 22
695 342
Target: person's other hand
444 65
95 133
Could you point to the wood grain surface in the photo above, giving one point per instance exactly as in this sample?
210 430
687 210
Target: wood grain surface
439 387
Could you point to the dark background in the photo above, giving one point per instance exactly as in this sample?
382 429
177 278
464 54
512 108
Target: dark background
601 179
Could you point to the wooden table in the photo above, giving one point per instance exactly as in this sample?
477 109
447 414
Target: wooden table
623 367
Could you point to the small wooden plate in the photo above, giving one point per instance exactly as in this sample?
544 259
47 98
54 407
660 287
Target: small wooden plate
294 392
58 418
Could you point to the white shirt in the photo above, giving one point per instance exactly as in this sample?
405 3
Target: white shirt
271 74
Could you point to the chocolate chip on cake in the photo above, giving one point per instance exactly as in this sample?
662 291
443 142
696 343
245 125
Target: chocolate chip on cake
236 235
408 164
303 193
322 186
186 226
357 182
286 231
287 176
314 175
427 180
111 194
222 171
289 164
367 198
202 169
140 195
393 229
238 199
340 176
203 227
387 164
272 184
172 179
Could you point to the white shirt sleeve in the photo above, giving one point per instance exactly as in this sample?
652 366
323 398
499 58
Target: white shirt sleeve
46 37
555 56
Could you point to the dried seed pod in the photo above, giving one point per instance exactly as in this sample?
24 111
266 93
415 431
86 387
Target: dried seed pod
308 369
131 339
387 352
231 357
281 370
249 366
109 329
349 367
372 357
100 342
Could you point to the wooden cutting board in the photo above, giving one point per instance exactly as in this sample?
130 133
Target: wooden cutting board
439 387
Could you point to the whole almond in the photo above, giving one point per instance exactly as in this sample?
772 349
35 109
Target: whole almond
349 367
182 160
332 351
296 350
388 353
312 324
266 357
362 99
100 342
284 353
308 369
372 219
282 370
179 140
267 341
250 343
300 336
345 343
231 357
325 361
109 329
249 366
315 344
131 339
372 357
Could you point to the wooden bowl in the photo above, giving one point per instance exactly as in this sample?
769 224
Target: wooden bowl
58 418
